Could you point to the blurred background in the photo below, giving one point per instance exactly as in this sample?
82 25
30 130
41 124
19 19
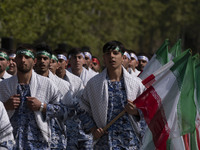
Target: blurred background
141 25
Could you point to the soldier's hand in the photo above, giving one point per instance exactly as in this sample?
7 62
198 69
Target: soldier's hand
13 102
33 103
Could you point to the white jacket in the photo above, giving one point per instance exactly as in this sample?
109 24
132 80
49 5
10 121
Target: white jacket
42 88
95 95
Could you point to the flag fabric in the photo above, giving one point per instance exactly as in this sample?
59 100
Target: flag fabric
191 139
158 60
198 130
162 56
197 81
166 109
175 50
197 97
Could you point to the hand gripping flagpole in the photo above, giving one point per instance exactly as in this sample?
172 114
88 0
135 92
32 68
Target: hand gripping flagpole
114 120
111 122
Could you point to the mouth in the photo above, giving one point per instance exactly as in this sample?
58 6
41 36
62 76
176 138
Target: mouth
112 62
42 66
11 66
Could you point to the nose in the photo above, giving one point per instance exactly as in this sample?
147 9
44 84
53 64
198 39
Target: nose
23 58
42 60
11 61
111 54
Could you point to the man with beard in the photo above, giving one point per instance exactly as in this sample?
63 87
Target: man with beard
44 56
4 63
30 99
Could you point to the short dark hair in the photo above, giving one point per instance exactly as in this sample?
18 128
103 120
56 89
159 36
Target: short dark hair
60 51
11 51
86 49
132 51
144 54
4 50
112 45
26 46
43 47
75 51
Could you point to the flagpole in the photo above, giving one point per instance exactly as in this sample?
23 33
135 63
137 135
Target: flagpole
111 122
115 119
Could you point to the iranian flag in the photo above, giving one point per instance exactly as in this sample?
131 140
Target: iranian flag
197 98
165 105
175 50
192 140
158 60
162 56
197 81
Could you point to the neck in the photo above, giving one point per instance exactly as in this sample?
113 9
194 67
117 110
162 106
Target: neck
2 73
24 77
133 69
45 74
61 74
77 71
115 75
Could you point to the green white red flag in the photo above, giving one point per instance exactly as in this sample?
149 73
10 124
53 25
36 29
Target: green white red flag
165 105
158 60
162 56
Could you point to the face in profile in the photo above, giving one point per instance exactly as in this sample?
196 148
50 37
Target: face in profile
96 66
53 66
3 64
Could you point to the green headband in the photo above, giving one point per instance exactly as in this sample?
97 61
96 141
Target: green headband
118 49
54 58
44 53
25 52
4 55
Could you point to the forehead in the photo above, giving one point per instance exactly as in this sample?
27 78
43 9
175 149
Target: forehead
132 58
112 51
42 56
142 60
61 60
77 55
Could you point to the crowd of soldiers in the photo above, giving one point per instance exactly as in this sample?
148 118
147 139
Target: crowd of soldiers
64 100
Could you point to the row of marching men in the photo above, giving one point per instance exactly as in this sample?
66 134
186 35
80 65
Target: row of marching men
53 102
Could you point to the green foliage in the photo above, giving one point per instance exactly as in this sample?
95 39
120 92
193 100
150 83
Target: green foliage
141 25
